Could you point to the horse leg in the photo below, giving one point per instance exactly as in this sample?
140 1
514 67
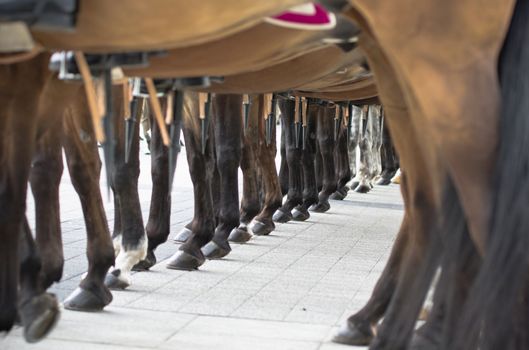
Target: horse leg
20 263
353 144
45 177
421 166
201 168
158 224
343 170
326 142
38 311
366 156
295 179
283 168
388 157
310 188
263 223
377 143
129 239
359 329
83 162
228 128
250 204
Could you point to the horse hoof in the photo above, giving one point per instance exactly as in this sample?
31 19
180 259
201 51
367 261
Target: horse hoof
239 235
281 217
39 316
185 261
147 263
300 214
213 251
337 196
354 184
363 188
183 235
320 207
384 181
115 281
350 334
421 342
85 300
261 229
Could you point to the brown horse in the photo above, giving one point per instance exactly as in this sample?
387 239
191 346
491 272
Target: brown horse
418 116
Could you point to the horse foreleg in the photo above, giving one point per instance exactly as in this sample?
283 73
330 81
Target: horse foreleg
158 224
326 142
19 261
84 166
201 168
343 170
293 155
130 241
360 328
228 132
310 187
263 223
250 203
45 177
389 159
283 168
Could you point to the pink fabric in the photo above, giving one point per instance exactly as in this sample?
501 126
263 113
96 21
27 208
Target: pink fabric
319 18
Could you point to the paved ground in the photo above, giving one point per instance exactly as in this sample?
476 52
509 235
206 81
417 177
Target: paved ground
289 290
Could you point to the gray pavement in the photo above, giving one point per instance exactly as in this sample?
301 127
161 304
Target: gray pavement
289 290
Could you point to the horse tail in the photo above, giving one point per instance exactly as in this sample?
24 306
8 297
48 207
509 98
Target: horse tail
498 306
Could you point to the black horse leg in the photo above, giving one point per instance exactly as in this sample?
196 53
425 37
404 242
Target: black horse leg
228 131
293 153
310 189
201 168
326 142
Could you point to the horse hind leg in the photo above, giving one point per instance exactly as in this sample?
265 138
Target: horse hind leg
85 168
228 129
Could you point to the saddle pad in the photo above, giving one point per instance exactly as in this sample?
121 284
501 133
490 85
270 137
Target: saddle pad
306 17
140 25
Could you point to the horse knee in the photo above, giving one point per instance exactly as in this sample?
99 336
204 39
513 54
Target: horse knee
228 158
45 176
